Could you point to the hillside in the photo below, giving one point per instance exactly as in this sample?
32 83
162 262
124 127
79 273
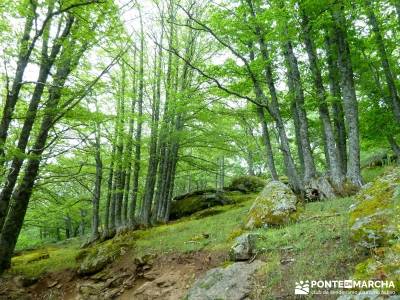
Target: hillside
163 262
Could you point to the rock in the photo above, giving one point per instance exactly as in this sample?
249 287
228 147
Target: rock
375 216
87 289
22 281
374 221
275 205
383 265
319 188
244 247
231 283
188 204
93 260
247 184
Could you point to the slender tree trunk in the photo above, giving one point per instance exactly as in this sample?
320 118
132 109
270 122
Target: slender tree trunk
267 144
44 71
337 107
97 186
165 127
107 214
13 94
390 81
300 116
395 147
22 194
336 173
153 157
349 98
138 135
274 110
129 149
120 173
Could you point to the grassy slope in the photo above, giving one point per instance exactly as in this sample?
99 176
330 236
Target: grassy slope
317 247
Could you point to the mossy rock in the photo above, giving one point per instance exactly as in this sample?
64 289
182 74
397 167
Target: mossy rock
275 205
37 255
195 202
95 259
384 265
247 184
375 216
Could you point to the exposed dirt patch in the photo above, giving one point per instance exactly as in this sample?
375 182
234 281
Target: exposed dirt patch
172 275
165 277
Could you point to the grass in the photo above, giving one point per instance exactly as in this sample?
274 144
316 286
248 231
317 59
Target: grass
369 174
316 248
185 235
31 265
189 233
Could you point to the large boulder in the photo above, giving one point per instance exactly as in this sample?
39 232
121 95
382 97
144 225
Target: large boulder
275 205
244 247
94 259
233 282
190 203
247 184
375 216
374 221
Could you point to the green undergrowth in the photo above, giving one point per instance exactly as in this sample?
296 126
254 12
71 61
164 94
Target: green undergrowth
205 230
370 173
317 247
50 258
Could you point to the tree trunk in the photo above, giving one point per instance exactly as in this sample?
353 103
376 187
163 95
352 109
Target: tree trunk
395 147
153 157
267 144
138 135
336 173
300 116
390 81
13 94
337 107
44 71
349 98
22 194
107 212
97 186
129 149
274 110
120 172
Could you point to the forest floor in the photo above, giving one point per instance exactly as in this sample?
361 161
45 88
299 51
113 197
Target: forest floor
162 262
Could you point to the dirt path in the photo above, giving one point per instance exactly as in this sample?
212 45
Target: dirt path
165 277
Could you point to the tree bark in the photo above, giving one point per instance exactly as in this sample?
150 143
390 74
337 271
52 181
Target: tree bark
267 144
274 110
138 135
97 186
390 81
153 151
395 147
337 107
44 71
22 194
336 173
349 98
13 94
300 115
